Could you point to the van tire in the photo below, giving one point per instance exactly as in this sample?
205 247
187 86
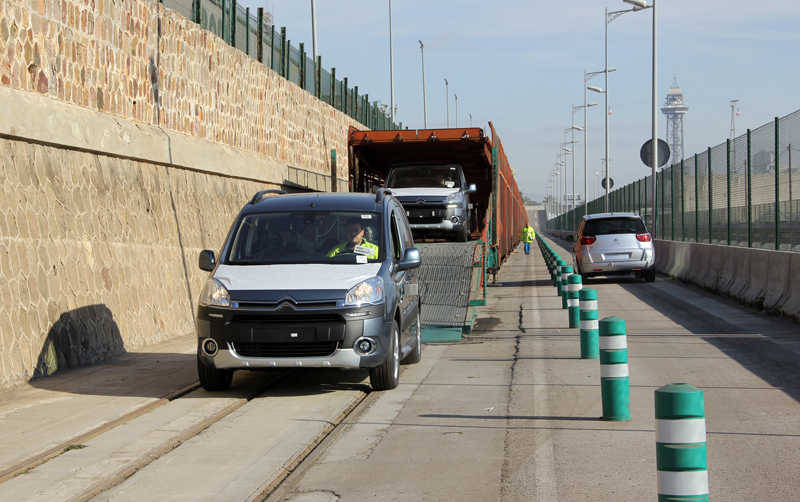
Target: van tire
387 375
213 379
650 275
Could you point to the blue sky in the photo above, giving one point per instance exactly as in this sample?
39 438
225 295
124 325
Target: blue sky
519 63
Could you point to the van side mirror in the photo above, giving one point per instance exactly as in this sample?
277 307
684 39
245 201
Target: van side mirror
411 259
472 189
207 261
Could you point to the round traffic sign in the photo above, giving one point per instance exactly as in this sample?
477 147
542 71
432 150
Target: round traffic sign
610 183
646 153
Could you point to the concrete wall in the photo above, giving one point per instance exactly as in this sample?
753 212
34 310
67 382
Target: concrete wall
122 155
767 279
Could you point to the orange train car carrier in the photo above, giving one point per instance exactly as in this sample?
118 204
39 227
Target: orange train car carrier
500 211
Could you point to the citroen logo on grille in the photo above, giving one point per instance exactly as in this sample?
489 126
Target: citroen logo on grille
285 305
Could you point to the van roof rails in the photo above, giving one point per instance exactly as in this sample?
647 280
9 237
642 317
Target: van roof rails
381 193
259 196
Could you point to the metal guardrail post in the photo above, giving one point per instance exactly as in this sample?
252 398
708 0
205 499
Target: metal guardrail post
614 374
260 36
232 17
777 186
681 457
749 196
710 198
728 182
589 324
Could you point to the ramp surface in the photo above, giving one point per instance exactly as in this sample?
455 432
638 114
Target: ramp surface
444 279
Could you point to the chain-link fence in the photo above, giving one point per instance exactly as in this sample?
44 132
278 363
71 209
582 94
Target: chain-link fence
257 36
743 192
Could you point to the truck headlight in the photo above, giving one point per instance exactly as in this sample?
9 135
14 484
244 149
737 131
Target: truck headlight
369 291
214 293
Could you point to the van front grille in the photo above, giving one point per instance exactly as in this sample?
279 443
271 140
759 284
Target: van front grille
299 349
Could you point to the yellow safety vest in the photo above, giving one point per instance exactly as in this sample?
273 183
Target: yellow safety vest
528 234
373 255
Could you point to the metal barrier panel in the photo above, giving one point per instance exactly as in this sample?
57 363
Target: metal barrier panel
762 172
719 195
789 187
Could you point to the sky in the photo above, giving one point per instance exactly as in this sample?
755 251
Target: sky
520 65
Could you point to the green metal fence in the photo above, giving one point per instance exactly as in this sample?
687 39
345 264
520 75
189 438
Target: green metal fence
254 34
743 192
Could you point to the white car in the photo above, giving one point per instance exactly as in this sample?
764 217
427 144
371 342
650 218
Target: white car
614 244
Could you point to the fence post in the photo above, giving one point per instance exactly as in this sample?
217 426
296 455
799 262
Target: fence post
288 60
652 230
272 48
661 183
333 170
749 197
777 186
333 87
681 457
672 197
196 11
318 77
614 375
367 120
344 96
302 49
696 200
710 198
260 37
683 207
222 20
283 51
247 30
728 182
232 17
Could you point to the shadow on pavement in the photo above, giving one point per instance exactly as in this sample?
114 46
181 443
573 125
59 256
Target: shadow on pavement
521 284
760 355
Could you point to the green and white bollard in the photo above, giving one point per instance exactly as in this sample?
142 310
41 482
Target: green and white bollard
589 324
681 444
614 381
566 271
574 286
557 273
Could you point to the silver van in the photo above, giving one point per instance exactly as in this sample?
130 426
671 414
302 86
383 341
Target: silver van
614 244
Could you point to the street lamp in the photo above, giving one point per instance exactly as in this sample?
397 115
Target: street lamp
447 100
640 5
609 18
587 77
391 66
424 98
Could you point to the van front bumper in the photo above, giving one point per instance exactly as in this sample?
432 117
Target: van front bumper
228 358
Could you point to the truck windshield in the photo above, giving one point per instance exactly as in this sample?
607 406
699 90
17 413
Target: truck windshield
619 225
424 177
307 237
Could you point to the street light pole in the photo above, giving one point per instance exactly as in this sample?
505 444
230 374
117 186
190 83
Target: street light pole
424 98
447 100
456 117
391 65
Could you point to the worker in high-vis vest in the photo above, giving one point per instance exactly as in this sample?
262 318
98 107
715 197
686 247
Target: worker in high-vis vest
528 236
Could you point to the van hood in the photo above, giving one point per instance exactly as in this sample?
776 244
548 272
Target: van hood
423 192
293 277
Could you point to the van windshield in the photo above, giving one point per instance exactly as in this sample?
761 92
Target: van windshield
446 176
619 225
307 237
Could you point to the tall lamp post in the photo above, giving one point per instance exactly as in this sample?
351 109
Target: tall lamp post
587 77
640 5
609 18
424 98
391 65
572 130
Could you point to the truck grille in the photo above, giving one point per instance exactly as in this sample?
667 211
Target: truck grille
260 349
425 214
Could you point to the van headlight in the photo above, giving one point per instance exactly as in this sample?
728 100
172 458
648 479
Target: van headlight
453 200
214 293
369 291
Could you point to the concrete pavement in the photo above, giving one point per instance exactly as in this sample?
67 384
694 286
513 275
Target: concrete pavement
514 414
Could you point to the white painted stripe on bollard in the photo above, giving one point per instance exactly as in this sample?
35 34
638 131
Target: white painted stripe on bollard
572 302
590 325
573 288
589 305
613 342
682 483
687 430
613 370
